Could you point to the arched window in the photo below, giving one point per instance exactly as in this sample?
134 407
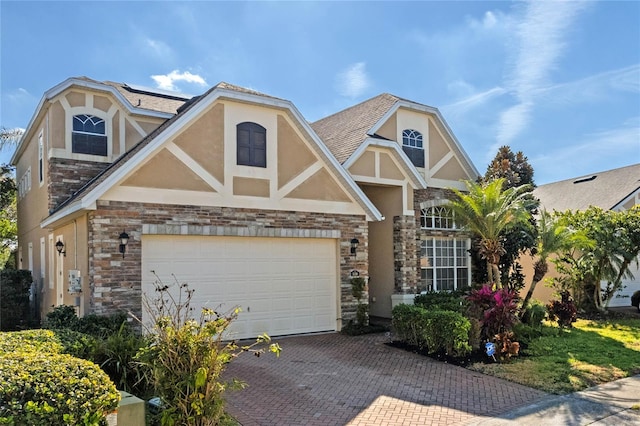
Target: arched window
251 145
89 135
412 146
437 217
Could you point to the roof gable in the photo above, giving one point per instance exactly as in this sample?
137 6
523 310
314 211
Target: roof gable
169 132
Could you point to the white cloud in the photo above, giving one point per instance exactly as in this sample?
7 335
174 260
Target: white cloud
353 81
159 48
20 95
541 41
167 81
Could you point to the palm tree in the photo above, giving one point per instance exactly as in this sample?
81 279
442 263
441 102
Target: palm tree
552 238
489 211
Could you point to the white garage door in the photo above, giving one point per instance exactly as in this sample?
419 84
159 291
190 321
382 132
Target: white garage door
282 285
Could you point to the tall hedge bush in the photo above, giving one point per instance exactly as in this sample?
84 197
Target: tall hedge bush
432 330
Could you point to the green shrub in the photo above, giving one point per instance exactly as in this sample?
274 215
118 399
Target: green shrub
534 314
40 388
563 311
100 326
443 301
63 316
187 355
53 341
14 303
432 330
30 341
103 326
526 333
116 356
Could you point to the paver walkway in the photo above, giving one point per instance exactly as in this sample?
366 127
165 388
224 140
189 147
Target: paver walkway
331 379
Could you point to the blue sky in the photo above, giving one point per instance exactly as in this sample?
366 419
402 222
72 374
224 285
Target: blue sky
559 81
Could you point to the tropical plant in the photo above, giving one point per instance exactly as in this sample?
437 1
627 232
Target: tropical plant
616 237
516 171
552 238
496 309
563 311
488 211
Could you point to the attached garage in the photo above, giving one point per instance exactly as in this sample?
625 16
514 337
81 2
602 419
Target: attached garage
282 285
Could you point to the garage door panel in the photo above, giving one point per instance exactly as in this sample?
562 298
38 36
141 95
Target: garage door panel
283 285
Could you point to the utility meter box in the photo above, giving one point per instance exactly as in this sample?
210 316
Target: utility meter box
75 281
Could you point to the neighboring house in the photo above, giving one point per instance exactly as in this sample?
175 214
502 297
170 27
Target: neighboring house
235 193
617 190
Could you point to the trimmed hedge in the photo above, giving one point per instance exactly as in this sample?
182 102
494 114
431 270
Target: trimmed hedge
53 389
53 341
432 330
39 385
443 301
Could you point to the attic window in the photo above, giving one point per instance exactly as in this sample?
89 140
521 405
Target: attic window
586 179
88 135
412 146
251 145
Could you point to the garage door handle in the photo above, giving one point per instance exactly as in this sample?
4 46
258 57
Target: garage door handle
248 308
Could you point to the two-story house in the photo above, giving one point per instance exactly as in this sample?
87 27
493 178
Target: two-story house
235 193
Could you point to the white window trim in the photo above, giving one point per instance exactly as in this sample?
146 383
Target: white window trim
455 267
41 158
24 185
440 208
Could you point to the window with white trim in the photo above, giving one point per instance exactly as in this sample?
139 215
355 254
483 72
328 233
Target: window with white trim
40 158
413 147
445 263
89 135
24 184
437 217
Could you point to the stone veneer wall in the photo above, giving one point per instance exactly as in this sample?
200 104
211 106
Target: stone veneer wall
405 255
116 282
68 176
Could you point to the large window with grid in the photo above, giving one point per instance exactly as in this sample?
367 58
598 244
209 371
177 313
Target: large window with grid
445 263
413 147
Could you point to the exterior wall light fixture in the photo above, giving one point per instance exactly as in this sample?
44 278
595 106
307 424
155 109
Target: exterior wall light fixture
60 248
124 239
354 245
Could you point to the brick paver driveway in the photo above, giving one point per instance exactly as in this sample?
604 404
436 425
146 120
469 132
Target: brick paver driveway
331 379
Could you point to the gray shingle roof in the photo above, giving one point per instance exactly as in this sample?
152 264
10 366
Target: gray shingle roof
344 131
603 189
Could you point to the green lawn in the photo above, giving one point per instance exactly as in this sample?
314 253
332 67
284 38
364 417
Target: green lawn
562 361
